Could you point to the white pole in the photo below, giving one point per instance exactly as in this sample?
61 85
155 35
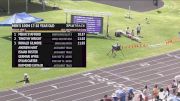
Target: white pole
8 7
129 11
26 5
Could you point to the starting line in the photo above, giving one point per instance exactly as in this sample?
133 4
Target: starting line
30 98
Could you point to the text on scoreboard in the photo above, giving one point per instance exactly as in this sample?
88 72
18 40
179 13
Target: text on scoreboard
48 45
94 24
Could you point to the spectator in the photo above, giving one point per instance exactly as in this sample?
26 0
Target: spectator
178 89
138 28
130 94
155 2
140 97
127 31
101 100
174 86
161 94
136 97
156 92
147 21
132 33
167 93
106 98
115 97
146 93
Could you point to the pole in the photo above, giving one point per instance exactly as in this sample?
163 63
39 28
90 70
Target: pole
66 17
43 4
129 12
26 5
107 31
8 7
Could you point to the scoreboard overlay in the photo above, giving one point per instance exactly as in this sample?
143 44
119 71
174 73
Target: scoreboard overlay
48 45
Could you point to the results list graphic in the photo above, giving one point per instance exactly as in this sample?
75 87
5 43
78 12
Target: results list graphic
48 45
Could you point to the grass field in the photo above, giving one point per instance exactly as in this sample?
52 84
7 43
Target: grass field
163 26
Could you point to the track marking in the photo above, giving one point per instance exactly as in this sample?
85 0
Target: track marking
177 57
56 89
151 65
113 90
126 78
91 82
108 85
116 75
14 90
153 69
145 64
149 86
86 74
141 77
84 77
169 55
160 74
53 86
137 64
20 93
173 73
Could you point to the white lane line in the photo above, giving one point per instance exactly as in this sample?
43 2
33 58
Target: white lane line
86 74
42 87
84 77
150 65
106 91
103 87
137 64
126 81
53 86
54 93
20 93
119 76
145 64
169 55
155 73
126 78
177 57
79 93
14 90
160 74
92 82
58 88
163 76
65 91
151 69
